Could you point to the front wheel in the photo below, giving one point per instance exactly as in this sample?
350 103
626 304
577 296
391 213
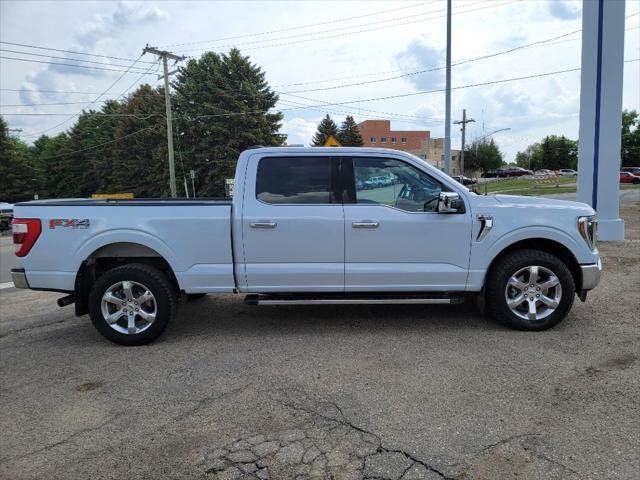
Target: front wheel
529 290
132 304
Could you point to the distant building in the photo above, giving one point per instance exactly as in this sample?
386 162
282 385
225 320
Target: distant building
432 150
378 133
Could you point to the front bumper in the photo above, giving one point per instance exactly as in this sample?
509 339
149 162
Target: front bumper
19 278
591 275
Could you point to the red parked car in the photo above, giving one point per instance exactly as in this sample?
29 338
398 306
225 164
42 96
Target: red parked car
628 177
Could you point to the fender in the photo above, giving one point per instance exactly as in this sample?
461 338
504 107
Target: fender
130 236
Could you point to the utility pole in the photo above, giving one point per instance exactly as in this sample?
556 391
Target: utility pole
167 99
447 121
463 122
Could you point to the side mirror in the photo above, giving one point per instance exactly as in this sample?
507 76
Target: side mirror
449 202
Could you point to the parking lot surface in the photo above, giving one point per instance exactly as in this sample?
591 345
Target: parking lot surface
233 391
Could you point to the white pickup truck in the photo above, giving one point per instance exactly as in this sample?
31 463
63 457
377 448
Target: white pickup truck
306 226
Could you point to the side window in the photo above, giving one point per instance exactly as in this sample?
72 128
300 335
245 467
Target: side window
394 183
295 180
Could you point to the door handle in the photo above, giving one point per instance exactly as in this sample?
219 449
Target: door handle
263 225
365 224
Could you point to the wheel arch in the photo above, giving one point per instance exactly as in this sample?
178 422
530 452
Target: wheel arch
111 255
547 245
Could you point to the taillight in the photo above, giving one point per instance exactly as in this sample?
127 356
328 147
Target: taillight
25 233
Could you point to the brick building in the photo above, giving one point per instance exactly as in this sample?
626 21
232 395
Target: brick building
378 133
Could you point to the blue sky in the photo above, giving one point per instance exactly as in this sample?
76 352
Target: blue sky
365 49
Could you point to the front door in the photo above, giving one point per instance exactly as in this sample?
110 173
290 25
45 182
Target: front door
293 225
394 238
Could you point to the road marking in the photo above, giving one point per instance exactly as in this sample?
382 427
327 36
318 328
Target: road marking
6 285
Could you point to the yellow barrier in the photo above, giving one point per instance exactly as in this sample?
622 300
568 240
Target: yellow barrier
112 196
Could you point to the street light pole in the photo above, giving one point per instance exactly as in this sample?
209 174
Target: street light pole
447 121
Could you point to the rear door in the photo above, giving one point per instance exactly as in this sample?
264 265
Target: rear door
394 239
293 225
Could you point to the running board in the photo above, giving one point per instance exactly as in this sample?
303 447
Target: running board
350 299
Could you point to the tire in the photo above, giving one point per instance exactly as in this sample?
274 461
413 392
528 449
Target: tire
150 291
550 305
196 296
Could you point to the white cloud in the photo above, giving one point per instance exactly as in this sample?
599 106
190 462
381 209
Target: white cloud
565 9
299 130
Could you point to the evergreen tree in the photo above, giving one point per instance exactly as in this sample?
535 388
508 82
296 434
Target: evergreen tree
16 168
47 154
349 135
221 108
326 128
139 159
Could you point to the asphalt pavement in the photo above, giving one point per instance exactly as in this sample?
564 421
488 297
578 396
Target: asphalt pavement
327 392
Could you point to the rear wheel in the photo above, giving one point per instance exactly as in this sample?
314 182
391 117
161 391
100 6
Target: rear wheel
529 290
132 304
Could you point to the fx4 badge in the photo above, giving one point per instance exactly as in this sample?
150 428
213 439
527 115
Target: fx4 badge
68 223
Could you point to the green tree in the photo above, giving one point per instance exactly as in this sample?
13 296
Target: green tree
222 105
139 155
326 128
16 167
630 145
348 135
48 153
483 155
531 157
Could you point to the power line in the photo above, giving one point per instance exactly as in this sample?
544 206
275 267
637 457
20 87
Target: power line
104 143
349 27
351 102
350 33
66 64
63 58
402 75
287 29
71 51
434 69
90 103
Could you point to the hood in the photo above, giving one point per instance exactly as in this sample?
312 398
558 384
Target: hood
542 202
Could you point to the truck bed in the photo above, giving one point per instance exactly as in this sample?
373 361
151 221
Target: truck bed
192 235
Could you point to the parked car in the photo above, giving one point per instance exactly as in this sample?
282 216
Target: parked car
567 172
6 215
544 173
498 173
464 180
297 231
633 170
628 177
516 172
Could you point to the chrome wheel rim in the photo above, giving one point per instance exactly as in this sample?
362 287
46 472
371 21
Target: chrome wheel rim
129 307
533 293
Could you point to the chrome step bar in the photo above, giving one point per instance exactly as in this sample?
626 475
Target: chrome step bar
344 299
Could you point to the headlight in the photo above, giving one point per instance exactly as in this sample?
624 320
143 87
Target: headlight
587 228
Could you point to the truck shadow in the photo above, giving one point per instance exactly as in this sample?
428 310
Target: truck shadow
228 315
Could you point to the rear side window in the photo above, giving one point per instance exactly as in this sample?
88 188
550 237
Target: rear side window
295 180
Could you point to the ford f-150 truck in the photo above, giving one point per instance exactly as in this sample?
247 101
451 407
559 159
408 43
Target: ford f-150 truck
306 225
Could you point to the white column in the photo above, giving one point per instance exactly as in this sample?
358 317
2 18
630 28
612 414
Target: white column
600 113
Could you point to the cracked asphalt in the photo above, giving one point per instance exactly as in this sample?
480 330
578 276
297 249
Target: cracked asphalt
380 392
